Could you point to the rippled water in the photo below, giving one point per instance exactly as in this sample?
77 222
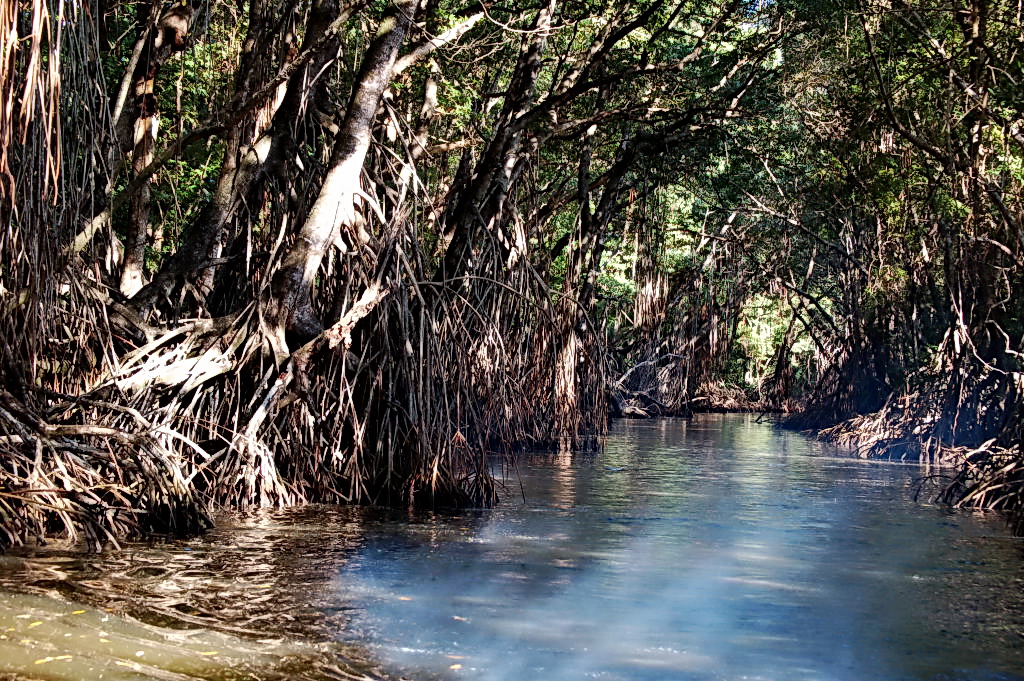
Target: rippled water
712 549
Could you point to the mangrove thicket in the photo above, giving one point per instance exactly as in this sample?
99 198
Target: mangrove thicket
347 251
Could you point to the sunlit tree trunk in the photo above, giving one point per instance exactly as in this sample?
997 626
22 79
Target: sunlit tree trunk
480 204
332 219
136 240
255 147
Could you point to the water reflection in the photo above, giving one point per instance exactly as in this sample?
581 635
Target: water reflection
254 600
713 549
718 549
44 638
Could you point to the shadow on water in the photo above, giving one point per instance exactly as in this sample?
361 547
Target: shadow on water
712 549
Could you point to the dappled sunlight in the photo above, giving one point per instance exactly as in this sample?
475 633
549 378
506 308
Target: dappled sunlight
62 640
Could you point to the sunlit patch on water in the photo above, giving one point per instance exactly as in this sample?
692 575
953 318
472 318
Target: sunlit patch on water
252 601
731 552
50 639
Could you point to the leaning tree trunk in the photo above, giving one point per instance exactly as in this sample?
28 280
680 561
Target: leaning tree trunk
168 37
333 215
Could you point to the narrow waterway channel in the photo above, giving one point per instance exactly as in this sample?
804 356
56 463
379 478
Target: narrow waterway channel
718 548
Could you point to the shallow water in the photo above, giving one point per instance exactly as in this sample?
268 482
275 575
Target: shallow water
712 549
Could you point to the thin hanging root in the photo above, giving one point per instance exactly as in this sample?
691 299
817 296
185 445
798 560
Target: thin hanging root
993 479
122 422
61 484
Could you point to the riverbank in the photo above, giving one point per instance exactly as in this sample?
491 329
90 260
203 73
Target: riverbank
712 397
987 476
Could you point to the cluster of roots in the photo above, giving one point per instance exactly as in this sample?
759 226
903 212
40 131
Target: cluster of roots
963 417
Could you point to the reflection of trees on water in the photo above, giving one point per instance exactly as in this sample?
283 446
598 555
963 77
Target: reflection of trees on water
263 582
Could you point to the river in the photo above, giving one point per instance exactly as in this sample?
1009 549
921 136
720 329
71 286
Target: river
718 548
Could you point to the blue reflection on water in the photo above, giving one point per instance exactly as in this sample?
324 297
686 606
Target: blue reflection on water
717 549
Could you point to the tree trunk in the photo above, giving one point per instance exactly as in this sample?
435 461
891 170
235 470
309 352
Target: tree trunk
136 240
335 208
482 201
167 37
245 159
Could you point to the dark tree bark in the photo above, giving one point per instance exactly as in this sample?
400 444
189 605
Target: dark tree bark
168 37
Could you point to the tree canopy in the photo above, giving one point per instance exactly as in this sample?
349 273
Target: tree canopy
267 252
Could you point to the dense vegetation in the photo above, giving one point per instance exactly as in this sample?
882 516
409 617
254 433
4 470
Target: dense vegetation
266 252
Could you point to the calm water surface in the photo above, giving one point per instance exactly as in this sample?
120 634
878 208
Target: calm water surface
712 549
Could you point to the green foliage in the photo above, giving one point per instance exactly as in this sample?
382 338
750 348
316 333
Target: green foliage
180 191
